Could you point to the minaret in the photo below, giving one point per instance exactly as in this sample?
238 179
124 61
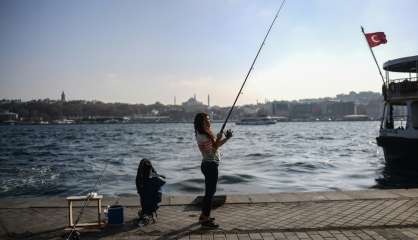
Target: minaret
62 96
208 100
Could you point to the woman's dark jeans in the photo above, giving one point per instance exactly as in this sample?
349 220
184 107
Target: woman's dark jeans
210 171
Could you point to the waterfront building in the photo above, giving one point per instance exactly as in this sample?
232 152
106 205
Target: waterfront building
249 110
338 110
7 116
280 108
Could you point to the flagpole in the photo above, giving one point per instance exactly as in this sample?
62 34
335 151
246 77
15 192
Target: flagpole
375 60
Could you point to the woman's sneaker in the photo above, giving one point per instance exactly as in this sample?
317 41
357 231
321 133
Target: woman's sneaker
211 219
144 220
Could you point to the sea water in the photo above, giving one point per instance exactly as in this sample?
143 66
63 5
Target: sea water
44 160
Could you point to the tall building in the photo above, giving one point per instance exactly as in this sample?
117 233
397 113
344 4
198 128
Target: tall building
62 96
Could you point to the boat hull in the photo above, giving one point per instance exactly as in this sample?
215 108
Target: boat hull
399 151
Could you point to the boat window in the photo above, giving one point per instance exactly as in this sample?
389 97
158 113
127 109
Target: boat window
387 117
399 116
414 115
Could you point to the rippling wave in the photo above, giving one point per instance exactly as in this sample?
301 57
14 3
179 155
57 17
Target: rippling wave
238 178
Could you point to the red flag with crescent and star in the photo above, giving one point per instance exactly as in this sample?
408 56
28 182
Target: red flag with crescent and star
376 38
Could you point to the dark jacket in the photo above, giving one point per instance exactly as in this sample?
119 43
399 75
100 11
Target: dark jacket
149 189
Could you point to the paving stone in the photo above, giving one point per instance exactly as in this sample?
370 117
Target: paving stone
181 200
195 237
219 236
261 198
279 235
230 236
285 197
371 194
405 192
336 196
238 199
131 201
310 196
243 236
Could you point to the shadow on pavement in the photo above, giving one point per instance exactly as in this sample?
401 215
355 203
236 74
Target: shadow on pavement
177 234
196 204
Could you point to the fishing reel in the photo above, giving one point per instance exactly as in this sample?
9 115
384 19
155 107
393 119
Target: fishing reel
228 133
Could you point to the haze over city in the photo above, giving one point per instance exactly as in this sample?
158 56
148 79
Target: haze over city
148 51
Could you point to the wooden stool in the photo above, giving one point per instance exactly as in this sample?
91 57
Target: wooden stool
97 199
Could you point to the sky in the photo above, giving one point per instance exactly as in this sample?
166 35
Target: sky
148 51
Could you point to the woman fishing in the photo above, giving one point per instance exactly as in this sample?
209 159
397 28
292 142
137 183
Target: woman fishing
208 146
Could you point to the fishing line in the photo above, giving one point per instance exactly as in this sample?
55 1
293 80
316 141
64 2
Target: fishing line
252 66
85 202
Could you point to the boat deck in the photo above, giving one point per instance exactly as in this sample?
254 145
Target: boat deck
369 214
402 90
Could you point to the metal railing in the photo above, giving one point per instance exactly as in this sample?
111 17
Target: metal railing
400 80
401 88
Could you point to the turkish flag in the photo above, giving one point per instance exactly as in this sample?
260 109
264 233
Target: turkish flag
376 38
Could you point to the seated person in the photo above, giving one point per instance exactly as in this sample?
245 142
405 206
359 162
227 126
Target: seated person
148 185
389 124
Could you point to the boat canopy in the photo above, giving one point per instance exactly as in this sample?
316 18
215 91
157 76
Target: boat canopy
406 64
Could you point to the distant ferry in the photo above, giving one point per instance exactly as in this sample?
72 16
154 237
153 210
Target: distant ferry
356 117
256 121
150 119
398 134
64 121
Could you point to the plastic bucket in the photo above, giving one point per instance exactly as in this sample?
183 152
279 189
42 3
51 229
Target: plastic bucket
115 215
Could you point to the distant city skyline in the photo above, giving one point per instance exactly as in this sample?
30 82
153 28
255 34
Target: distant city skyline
63 98
166 51
365 105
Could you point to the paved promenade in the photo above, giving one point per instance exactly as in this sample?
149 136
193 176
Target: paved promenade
354 215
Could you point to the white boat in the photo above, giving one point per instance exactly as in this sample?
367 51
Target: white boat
398 135
356 117
256 121
64 121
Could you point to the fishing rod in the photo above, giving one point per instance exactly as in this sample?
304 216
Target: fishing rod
251 68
